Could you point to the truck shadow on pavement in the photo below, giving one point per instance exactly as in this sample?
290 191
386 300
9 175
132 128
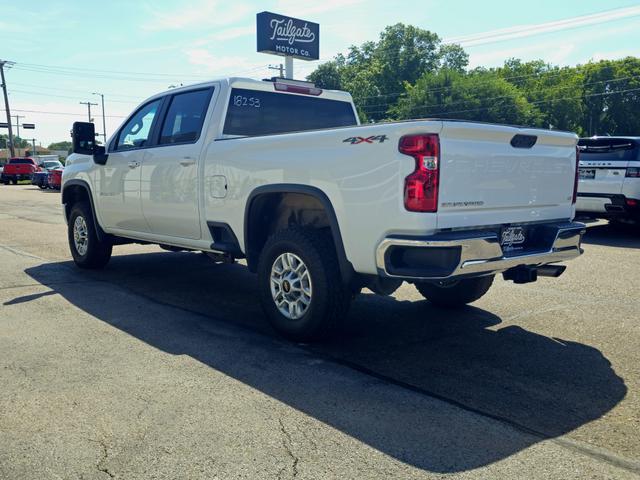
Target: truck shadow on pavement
620 236
538 387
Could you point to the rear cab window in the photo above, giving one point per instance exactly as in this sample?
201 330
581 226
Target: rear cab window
21 160
257 112
608 149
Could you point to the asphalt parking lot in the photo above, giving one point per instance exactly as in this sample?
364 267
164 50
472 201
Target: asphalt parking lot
162 366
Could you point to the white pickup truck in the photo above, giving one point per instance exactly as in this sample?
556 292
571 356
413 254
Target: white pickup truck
282 174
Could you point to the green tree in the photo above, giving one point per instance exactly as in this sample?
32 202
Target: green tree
375 73
60 146
480 95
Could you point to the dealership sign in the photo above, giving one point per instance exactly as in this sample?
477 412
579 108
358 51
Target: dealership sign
289 37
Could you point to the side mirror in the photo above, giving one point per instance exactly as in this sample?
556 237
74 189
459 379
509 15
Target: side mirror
83 136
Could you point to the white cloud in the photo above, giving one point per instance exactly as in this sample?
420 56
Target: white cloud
557 50
551 52
199 15
303 8
225 34
615 54
219 65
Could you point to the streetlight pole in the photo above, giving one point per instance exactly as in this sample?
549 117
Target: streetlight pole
104 123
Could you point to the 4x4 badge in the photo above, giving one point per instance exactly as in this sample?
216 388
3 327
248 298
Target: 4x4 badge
358 140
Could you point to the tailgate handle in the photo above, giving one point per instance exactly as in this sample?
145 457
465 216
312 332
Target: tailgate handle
523 141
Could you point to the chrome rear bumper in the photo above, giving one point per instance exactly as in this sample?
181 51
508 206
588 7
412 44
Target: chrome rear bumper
473 253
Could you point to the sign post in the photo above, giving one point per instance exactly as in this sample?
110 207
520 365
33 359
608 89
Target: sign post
288 37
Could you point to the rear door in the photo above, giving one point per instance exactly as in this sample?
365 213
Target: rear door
169 182
497 174
603 164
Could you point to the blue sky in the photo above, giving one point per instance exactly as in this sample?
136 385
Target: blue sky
143 47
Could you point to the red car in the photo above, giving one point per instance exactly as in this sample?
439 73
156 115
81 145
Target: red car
55 178
19 168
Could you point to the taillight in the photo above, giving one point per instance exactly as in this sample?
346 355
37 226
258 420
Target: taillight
633 172
575 179
421 187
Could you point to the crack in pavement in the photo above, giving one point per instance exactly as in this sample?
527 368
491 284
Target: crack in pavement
105 455
287 444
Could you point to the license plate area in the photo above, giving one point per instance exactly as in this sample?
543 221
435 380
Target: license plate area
586 173
513 239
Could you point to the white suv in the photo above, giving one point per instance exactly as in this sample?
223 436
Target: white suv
609 178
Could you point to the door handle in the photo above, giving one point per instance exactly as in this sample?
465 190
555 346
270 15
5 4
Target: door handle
134 164
187 161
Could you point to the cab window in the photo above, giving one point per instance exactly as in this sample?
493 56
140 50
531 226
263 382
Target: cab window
185 117
136 132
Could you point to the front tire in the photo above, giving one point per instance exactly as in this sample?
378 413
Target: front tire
300 285
87 249
456 293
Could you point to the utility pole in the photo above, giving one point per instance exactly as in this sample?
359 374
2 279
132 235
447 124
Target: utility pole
104 123
6 105
18 117
88 104
280 68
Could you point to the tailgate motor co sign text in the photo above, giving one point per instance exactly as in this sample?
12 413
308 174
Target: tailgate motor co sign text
289 37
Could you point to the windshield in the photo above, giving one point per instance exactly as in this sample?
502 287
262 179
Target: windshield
21 160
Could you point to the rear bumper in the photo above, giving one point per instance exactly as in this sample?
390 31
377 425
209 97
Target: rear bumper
604 205
13 176
473 253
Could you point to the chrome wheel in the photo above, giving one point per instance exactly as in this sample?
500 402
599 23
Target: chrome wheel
80 235
291 285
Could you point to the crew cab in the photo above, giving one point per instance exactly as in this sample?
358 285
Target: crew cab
609 173
18 168
283 175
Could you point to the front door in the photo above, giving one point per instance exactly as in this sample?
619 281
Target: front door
118 181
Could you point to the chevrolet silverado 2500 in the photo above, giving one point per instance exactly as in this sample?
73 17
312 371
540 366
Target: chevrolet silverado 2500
283 175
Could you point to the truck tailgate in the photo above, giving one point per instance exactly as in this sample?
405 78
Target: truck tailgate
490 174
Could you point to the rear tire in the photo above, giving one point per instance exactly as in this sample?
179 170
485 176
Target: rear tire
14 181
456 293
87 249
300 285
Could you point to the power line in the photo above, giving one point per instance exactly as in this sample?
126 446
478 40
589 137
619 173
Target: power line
123 76
64 113
124 72
494 36
13 90
77 90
